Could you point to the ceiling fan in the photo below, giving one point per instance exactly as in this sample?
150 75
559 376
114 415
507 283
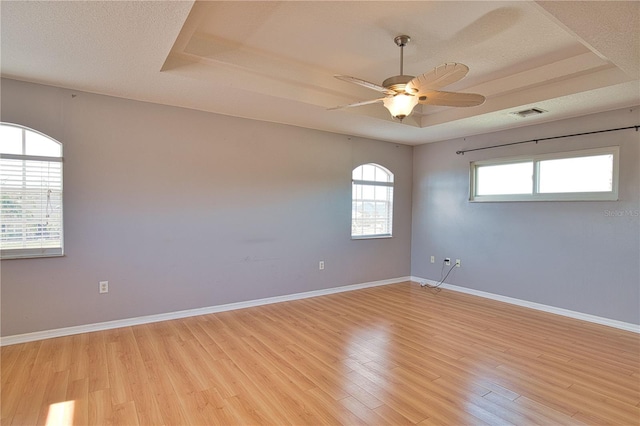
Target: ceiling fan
404 92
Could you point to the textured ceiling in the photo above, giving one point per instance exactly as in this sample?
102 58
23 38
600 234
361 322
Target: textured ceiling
275 61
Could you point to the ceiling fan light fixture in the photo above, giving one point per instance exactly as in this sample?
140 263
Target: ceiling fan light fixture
400 105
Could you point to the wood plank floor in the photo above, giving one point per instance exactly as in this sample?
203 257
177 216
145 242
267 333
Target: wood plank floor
397 354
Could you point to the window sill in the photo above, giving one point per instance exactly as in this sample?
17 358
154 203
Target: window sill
14 256
593 196
371 237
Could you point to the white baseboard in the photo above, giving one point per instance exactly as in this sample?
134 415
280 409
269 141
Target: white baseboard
538 306
68 331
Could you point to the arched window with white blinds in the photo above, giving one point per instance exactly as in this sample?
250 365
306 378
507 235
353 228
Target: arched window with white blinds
372 202
30 193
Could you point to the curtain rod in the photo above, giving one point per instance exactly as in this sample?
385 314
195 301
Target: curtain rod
461 152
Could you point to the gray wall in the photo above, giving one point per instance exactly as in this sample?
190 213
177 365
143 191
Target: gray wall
181 209
582 256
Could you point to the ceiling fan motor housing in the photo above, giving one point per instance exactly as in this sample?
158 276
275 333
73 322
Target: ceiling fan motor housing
397 83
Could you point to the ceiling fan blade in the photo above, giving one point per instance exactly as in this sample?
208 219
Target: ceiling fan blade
356 104
452 99
364 83
440 76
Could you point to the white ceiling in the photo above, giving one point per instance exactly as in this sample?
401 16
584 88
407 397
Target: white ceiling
275 61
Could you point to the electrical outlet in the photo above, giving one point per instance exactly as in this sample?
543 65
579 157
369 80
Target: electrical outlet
103 287
433 259
321 265
447 261
458 263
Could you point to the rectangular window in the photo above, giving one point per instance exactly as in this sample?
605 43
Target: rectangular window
371 210
570 176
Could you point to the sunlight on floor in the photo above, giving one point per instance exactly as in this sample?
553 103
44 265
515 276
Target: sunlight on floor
60 414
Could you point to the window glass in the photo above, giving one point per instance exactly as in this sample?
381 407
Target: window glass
10 140
583 174
505 179
368 172
40 145
373 173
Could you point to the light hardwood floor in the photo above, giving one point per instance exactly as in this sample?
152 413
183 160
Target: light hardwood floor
397 354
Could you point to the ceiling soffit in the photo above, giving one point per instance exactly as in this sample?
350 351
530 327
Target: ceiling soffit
278 49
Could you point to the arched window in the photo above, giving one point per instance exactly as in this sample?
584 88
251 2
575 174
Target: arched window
31 193
372 202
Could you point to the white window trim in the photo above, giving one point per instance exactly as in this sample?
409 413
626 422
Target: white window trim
535 195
